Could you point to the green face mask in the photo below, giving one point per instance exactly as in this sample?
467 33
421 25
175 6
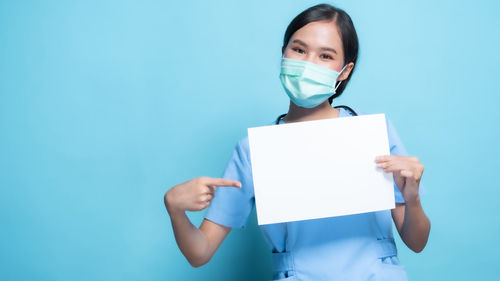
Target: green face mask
308 84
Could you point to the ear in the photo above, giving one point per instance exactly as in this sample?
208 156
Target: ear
282 50
346 72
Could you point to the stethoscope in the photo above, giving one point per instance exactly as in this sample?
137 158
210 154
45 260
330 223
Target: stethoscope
351 111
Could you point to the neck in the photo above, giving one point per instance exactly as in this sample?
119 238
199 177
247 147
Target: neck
298 114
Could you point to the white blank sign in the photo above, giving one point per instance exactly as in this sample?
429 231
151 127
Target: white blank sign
320 168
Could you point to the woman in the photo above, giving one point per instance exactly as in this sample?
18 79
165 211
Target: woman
319 55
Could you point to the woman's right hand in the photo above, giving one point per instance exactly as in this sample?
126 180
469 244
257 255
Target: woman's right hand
195 194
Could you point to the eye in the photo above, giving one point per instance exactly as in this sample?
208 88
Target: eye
326 57
298 50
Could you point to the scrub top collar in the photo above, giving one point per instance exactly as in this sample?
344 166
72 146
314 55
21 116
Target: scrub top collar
342 113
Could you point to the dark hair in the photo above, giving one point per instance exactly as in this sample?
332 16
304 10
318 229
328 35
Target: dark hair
344 23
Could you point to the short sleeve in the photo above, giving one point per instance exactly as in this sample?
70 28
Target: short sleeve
231 206
397 148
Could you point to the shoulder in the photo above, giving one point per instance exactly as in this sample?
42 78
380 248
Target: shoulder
243 142
241 150
396 146
390 126
243 147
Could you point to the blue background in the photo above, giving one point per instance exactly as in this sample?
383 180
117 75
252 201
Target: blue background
105 105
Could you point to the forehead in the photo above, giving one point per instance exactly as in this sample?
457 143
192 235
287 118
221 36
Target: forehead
320 34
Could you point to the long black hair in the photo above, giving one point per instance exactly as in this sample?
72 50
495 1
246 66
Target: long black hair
344 23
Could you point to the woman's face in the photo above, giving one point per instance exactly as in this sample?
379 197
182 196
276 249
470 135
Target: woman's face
318 42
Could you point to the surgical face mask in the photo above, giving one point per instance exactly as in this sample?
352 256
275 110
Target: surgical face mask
308 84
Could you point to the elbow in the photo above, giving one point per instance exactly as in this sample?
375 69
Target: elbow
199 256
197 262
418 249
418 245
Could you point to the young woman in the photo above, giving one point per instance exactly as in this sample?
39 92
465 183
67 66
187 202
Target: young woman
320 50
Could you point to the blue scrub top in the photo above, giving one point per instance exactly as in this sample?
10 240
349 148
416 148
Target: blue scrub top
352 247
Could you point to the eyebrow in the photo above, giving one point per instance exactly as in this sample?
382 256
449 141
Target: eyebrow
305 46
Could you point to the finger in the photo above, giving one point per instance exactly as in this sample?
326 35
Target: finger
203 205
407 173
396 163
388 165
383 158
392 169
405 163
205 189
208 200
208 197
205 199
414 159
211 189
222 182
383 165
398 179
395 166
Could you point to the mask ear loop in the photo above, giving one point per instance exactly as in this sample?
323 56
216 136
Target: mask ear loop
335 90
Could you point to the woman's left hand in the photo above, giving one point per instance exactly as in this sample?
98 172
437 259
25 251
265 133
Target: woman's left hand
407 172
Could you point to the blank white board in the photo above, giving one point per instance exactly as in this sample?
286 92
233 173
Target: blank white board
321 168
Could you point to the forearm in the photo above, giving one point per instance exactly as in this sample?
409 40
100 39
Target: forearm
197 244
416 226
192 242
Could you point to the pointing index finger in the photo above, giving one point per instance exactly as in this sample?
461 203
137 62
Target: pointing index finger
382 158
223 182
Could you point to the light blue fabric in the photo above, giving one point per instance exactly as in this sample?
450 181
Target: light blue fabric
308 84
354 247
